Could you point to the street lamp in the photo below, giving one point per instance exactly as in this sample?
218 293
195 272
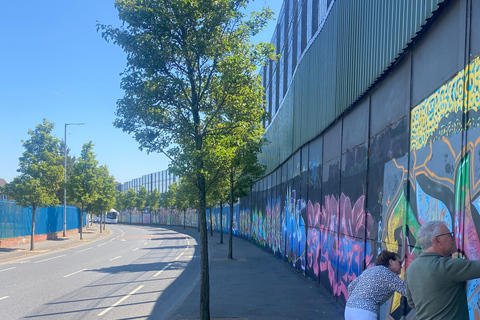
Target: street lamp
65 177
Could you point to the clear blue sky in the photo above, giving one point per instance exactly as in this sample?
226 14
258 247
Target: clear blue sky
54 65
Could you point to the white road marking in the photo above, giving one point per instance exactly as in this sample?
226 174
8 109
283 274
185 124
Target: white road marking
145 243
84 250
4 297
136 249
63 255
181 254
156 274
71 274
101 244
119 301
115 258
7 269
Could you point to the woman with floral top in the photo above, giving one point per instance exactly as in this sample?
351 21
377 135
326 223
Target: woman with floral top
374 287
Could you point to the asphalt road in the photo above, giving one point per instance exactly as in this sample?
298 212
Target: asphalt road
137 272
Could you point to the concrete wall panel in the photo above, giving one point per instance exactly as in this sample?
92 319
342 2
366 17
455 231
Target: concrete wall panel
391 100
355 126
440 55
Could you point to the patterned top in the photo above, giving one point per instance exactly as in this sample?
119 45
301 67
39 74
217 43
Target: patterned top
373 288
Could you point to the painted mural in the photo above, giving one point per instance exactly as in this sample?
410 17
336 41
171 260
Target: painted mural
329 220
441 178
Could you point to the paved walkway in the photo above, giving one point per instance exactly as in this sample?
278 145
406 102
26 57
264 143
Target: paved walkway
23 250
254 286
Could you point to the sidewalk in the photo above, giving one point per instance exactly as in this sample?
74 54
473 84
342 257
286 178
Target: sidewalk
23 250
255 285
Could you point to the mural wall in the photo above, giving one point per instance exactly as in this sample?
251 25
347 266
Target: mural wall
408 152
336 203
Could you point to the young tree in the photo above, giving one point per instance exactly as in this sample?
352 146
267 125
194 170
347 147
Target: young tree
130 201
190 76
153 201
243 171
141 199
82 184
167 201
41 175
106 192
120 202
184 198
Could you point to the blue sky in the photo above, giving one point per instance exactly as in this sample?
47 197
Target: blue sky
54 65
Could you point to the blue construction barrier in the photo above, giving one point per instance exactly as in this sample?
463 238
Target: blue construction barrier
16 221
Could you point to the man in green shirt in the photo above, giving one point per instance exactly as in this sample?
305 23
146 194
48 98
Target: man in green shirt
436 283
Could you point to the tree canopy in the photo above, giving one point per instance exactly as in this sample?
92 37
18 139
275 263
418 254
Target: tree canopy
41 172
190 82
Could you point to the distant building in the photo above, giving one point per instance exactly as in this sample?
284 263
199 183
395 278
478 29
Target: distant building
159 180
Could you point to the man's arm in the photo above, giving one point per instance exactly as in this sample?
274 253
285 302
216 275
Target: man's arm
462 269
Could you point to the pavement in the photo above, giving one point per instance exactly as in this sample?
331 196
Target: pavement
23 250
255 285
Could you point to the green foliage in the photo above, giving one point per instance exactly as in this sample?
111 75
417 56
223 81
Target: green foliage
82 185
190 83
190 74
120 201
106 190
130 197
141 199
153 200
41 173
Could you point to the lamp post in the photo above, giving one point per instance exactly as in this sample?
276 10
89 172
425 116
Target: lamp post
65 177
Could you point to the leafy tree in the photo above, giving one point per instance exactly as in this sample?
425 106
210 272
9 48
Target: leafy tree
106 192
190 77
141 199
184 198
82 185
120 201
153 201
130 201
40 173
243 171
167 201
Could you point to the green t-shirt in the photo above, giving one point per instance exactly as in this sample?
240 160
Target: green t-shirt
436 286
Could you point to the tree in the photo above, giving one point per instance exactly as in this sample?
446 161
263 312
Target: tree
243 171
141 199
106 192
120 201
167 201
130 201
82 185
184 198
190 77
153 201
41 175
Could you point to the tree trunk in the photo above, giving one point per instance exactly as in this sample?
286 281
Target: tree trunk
104 220
204 271
32 246
100 223
184 218
230 236
81 224
221 221
211 223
